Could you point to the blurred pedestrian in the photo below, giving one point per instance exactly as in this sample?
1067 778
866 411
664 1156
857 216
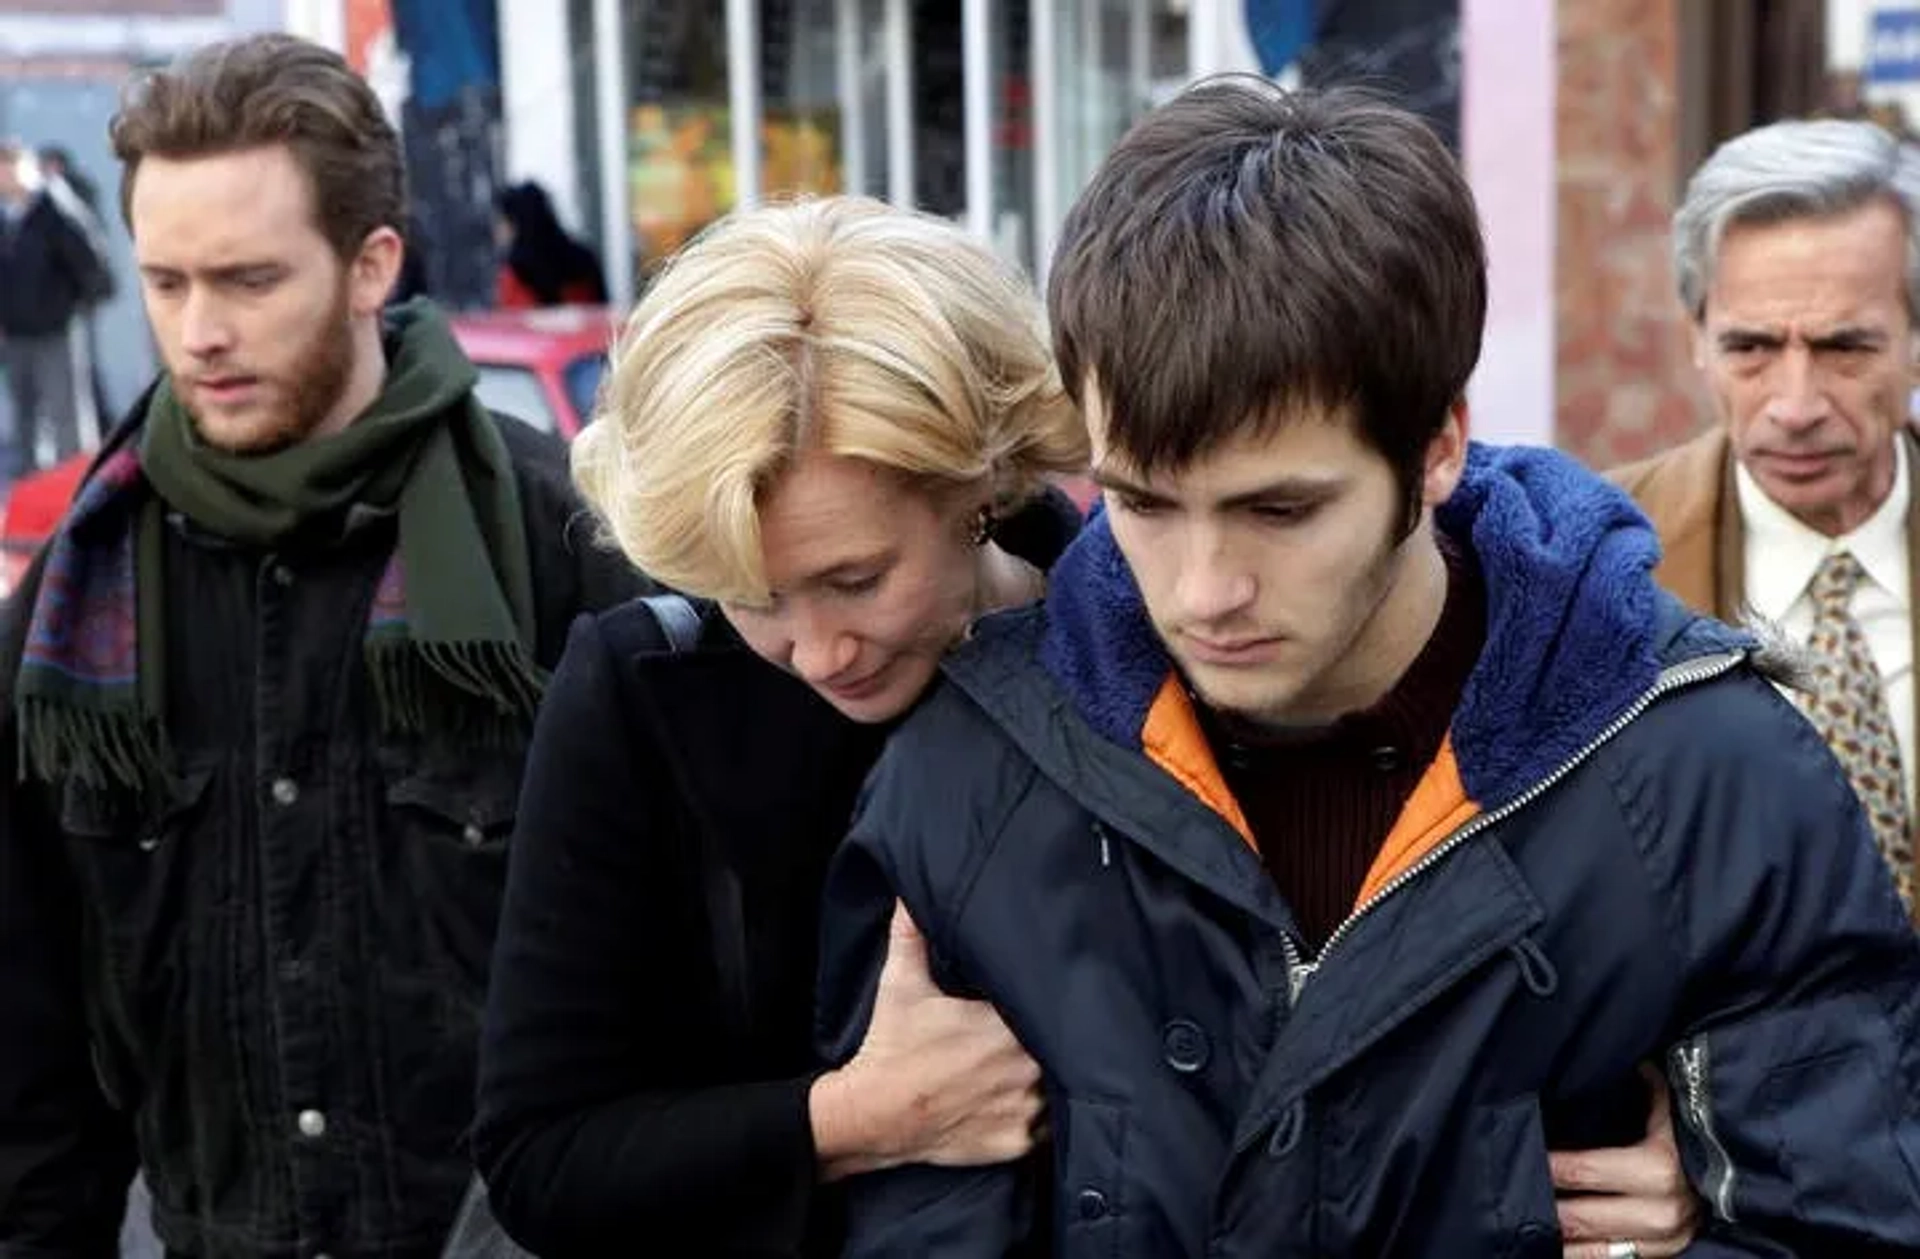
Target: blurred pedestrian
78 196
541 265
56 163
51 271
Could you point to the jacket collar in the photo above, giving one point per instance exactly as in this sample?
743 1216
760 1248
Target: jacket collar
1794 550
1576 629
1725 570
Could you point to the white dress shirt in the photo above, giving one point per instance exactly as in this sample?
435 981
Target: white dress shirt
1782 555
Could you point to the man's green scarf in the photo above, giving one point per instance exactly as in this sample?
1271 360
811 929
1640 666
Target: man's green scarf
449 639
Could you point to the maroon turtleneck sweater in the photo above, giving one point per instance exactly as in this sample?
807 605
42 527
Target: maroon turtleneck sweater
1321 800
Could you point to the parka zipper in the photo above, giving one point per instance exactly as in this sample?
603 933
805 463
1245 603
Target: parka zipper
1691 1062
1674 678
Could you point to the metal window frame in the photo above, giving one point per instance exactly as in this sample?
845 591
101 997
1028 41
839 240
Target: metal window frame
610 106
900 155
745 109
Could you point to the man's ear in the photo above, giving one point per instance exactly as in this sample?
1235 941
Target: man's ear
1446 459
374 271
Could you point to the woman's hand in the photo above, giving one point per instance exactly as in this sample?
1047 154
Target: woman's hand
1638 1194
937 1079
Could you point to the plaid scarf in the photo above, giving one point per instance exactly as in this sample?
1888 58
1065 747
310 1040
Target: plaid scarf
449 634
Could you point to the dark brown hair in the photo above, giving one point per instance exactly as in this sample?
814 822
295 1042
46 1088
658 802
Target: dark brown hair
1247 255
264 90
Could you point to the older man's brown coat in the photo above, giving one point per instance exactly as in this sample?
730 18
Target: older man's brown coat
1688 494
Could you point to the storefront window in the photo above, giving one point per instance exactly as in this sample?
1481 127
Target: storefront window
583 72
869 132
801 128
1106 53
870 96
1100 64
680 172
939 108
1010 75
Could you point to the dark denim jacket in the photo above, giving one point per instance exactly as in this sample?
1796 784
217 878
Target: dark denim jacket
283 970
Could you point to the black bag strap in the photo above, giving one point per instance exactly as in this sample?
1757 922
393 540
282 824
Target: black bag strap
679 620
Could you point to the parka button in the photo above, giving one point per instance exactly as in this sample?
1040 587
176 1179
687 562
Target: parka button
312 1124
473 835
1092 1204
285 791
1185 1046
1386 758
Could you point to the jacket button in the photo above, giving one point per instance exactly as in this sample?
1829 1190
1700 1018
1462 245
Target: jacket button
1092 1204
149 843
282 575
1185 1046
311 1124
285 791
1386 758
473 835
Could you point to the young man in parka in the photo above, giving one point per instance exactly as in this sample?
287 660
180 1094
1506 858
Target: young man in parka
1356 814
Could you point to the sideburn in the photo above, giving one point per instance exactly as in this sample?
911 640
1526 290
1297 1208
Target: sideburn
320 376
1412 499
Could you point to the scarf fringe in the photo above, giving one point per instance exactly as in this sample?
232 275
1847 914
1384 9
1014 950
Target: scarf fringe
487 690
100 749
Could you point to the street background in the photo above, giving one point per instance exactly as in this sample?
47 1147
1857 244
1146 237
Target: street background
646 118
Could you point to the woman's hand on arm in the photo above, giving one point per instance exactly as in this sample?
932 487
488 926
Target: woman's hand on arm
1638 1193
937 1079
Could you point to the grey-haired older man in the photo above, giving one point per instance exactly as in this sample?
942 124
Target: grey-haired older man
1797 250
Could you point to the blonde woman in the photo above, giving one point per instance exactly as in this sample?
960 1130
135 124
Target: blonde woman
836 421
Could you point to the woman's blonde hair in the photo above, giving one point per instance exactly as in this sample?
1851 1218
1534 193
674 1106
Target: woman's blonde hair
842 325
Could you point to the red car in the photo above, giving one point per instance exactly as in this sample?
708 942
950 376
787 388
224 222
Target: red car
541 366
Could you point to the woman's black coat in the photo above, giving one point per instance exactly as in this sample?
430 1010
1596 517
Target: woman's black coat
648 1045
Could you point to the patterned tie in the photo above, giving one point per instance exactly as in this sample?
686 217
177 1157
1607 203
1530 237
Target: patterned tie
1849 709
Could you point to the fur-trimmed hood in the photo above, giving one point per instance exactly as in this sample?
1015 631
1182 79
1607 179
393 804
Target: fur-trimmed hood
1577 631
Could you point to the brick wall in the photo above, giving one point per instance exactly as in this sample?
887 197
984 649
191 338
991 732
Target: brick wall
1624 382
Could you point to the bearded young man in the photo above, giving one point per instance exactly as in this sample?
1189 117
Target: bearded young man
268 691
1356 815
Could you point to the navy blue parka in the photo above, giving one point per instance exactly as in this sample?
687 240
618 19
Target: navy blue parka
1631 847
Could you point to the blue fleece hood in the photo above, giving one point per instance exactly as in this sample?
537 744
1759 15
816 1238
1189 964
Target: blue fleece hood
1575 633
